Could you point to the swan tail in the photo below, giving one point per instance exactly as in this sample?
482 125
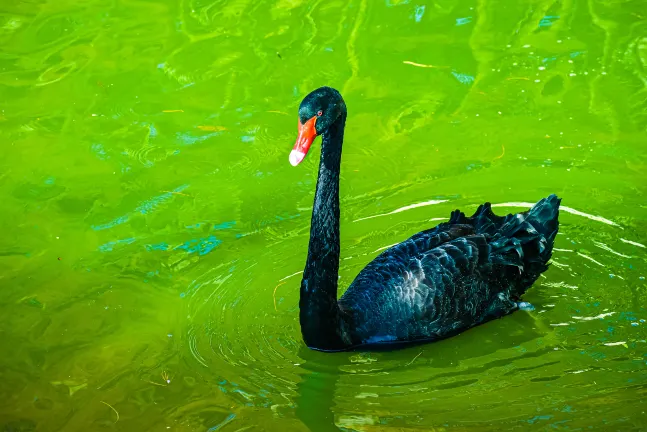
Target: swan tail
544 217
525 241
485 221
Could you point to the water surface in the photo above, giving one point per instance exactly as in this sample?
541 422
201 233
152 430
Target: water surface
154 231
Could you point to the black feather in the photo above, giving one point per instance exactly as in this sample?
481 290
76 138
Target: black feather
452 277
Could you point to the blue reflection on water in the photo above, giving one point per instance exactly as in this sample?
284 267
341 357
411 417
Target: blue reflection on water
108 247
202 246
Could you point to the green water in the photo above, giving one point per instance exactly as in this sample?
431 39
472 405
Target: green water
153 229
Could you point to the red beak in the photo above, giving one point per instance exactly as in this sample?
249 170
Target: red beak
307 134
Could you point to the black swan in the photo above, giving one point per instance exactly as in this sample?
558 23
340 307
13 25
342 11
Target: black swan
436 284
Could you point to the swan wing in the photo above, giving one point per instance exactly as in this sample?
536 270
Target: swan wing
429 295
451 277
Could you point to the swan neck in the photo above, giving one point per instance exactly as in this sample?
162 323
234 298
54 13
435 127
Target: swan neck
321 323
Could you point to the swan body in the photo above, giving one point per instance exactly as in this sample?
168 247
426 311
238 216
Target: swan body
435 284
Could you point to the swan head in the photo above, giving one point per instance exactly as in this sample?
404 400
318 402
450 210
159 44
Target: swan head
317 112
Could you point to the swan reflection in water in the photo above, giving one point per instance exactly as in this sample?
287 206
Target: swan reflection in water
324 374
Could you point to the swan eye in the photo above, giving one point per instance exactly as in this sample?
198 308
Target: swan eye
319 113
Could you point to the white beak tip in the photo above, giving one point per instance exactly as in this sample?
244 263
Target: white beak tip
296 157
